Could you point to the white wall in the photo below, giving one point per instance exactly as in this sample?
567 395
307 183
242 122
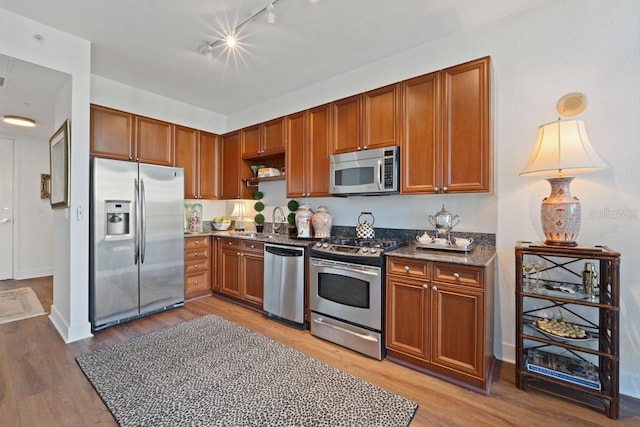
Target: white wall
33 215
70 55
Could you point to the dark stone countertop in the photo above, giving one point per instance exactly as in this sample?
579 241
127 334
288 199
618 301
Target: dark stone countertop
275 238
479 255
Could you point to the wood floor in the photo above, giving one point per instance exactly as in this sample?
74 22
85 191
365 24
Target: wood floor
41 384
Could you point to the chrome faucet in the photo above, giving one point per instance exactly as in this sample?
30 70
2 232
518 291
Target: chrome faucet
275 229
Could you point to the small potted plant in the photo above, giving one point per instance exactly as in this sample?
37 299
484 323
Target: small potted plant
259 207
291 218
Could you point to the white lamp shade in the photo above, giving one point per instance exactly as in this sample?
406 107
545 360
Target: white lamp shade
563 148
238 210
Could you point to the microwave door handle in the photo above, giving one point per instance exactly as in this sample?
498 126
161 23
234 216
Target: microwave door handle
379 174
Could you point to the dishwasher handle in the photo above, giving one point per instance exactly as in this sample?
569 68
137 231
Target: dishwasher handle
284 252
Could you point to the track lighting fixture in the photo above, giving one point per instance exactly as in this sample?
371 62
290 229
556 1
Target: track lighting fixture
271 18
230 39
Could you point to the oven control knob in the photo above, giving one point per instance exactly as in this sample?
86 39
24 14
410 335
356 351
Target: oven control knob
374 250
365 250
325 245
318 244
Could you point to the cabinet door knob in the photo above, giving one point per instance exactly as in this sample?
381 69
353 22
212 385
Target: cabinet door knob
195 266
436 189
435 288
196 282
196 253
406 268
425 286
456 275
444 189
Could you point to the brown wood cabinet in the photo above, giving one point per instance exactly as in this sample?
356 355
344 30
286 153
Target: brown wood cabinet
439 319
154 141
446 136
111 134
197 266
241 270
232 169
264 140
367 121
308 151
123 136
197 153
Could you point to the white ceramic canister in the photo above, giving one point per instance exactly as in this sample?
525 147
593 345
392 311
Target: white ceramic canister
322 221
303 220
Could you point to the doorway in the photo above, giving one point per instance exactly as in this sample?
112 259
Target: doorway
6 208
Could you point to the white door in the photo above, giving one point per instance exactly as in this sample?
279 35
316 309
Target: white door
6 208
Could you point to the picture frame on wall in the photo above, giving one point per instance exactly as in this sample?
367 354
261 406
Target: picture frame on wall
59 161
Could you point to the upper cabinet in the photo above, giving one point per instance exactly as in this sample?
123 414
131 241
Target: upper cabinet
232 169
154 141
446 139
197 153
112 134
118 135
367 121
264 140
308 151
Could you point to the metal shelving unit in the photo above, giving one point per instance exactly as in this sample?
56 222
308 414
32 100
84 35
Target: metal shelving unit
583 369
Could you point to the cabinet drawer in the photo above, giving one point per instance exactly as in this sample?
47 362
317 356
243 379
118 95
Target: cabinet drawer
196 282
251 246
458 274
408 267
198 253
196 266
196 242
230 243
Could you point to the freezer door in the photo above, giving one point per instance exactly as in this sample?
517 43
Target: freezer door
161 238
113 270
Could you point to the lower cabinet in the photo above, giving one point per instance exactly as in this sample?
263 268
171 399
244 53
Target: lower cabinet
439 319
241 270
197 266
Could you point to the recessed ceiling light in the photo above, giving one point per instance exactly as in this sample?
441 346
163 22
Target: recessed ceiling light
19 121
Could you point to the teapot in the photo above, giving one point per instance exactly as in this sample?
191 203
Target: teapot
443 222
364 230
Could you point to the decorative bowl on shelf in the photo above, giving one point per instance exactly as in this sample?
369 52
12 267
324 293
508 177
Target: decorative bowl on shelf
221 225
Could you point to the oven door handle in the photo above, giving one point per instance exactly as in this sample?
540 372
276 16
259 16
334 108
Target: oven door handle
347 331
344 268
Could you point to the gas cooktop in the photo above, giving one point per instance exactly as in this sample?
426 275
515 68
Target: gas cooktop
353 249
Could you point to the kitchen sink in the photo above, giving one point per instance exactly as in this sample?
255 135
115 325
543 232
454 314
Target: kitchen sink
253 234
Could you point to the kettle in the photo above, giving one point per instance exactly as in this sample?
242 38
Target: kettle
443 223
364 229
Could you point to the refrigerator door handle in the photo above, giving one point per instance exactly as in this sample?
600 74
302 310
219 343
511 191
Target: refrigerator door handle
137 232
143 220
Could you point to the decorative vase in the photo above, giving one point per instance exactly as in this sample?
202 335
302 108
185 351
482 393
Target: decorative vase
303 221
322 221
561 214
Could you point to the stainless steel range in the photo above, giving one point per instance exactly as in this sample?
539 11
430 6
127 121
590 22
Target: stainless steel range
346 293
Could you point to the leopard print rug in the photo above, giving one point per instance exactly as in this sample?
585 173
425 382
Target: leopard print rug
213 372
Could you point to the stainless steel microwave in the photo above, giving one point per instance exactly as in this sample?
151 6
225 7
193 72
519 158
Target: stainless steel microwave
365 172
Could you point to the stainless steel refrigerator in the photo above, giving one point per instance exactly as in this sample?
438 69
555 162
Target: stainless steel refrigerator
137 240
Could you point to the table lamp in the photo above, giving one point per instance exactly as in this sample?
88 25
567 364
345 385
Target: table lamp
238 212
562 149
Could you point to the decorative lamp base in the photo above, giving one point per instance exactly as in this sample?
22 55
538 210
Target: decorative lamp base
561 214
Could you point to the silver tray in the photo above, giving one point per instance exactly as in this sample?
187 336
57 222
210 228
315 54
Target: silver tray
445 247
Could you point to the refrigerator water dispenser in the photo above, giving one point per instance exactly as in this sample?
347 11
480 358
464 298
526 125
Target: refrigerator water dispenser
117 217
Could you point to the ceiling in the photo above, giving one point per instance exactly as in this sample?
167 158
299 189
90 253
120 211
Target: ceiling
155 45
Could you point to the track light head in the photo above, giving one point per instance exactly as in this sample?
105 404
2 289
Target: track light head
271 17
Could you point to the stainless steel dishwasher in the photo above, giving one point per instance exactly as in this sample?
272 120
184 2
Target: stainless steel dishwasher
284 282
